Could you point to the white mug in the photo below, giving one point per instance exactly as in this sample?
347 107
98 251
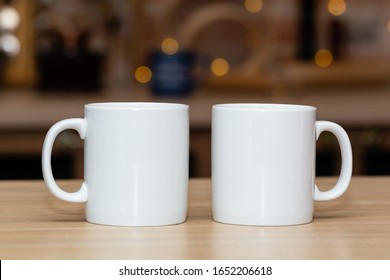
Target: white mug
135 163
263 163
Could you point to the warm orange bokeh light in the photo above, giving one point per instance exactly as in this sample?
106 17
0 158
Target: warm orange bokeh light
323 58
253 6
219 67
337 7
169 46
143 74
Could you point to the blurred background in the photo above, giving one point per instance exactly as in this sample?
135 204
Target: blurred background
57 55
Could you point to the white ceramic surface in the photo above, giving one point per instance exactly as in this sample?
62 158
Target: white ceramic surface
263 163
136 163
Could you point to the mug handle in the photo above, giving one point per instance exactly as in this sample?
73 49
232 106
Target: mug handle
346 161
80 126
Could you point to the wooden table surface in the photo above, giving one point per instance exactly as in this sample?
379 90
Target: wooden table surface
36 225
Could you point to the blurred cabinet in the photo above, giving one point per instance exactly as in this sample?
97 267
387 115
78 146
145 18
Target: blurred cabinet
20 154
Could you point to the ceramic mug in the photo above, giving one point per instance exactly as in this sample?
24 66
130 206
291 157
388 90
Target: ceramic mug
135 163
263 163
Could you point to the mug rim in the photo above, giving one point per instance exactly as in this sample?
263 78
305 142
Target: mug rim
135 106
264 107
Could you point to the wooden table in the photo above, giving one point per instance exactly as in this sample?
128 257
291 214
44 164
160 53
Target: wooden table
36 225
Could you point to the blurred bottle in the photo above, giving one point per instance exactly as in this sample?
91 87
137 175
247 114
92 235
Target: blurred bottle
306 29
173 74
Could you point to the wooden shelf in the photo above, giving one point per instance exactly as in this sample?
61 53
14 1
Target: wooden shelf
339 73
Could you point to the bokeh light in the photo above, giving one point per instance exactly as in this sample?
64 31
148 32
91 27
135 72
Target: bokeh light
219 67
10 44
323 58
337 7
169 46
253 6
143 74
9 18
